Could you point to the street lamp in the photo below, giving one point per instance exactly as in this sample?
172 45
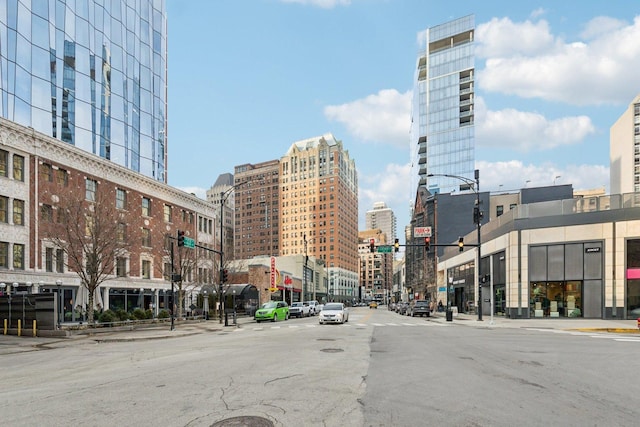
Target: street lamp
477 218
224 195
234 308
205 306
304 272
59 298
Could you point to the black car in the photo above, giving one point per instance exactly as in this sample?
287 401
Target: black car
419 308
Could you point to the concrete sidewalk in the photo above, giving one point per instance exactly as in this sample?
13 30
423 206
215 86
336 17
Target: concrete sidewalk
609 325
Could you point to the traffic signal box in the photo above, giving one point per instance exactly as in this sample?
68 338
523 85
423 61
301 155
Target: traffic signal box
372 245
224 276
396 245
427 243
180 238
461 244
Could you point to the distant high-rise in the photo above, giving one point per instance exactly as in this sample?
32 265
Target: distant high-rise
443 106
383 218
223 191
624 146
91 73
319 208
257 198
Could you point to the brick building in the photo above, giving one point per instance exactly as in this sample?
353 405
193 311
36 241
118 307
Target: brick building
38 174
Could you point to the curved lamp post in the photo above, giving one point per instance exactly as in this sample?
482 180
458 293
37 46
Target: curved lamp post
59 298
477 217
224 195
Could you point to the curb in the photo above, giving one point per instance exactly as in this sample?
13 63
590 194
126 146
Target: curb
613 330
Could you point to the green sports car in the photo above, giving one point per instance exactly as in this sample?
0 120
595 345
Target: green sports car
272 310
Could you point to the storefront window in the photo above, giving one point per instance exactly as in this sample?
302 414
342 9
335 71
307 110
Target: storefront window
556 299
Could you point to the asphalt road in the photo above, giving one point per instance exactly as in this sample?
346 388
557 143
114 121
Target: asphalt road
380 369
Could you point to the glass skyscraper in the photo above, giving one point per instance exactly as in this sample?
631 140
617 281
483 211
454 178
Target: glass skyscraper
91 73
443 98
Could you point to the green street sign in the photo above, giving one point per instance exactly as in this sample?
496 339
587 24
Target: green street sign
385 249
189 242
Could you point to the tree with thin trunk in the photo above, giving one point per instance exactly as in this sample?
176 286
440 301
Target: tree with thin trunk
92 234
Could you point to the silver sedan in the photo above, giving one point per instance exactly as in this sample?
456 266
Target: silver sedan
334 312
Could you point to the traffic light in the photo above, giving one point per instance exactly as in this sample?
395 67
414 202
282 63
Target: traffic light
461 244
427 243
477 215
180 238
396 245
224 275
372 245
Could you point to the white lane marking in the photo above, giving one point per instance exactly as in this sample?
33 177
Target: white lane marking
627 339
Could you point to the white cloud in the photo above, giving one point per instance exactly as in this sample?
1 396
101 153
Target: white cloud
538 12
527 131
514 175
325 4
602 70
503 37
390 186
382 118
601 25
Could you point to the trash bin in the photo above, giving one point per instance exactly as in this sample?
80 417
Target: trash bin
449 316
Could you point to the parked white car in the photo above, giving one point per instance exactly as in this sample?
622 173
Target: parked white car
334 312
299 309
313 307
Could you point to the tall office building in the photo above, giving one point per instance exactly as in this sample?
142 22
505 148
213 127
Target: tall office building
222 194
443 118
256 219
319 208
382 217
91 73
624 150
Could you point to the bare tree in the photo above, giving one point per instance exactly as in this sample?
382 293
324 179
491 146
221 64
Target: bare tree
92 234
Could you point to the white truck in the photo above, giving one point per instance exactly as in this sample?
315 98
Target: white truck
299 309
314 307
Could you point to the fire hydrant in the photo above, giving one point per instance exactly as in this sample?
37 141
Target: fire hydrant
638 322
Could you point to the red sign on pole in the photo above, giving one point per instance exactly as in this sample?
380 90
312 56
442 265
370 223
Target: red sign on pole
273 272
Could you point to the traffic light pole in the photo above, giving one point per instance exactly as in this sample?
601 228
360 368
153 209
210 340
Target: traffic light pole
479 224
477 217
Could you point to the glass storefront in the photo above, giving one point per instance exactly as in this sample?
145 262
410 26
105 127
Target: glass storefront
556 299
633 279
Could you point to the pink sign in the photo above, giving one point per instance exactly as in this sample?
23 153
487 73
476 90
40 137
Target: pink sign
633 273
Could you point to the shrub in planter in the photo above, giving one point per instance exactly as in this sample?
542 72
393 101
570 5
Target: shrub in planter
122 314
139 314
107 317
149 314
163 314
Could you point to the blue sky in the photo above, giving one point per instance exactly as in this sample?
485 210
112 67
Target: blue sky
248 78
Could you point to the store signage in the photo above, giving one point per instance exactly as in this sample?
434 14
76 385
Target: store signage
592 250
273 272
421 231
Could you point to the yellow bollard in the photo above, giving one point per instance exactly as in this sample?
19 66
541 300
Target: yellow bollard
19 328
5 326
35 330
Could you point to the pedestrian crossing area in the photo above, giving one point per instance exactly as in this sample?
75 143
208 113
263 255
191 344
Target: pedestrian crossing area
350 324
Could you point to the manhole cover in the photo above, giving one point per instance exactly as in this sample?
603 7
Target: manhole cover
244 421
332 350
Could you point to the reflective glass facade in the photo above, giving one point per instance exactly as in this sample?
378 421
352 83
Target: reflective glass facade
91 73
443 116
